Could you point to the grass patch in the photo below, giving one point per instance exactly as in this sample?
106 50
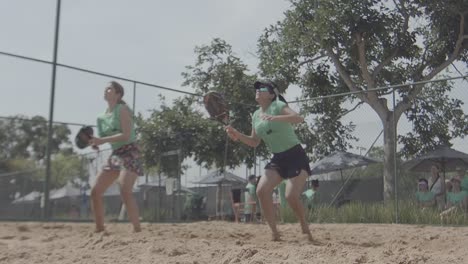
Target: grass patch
357 212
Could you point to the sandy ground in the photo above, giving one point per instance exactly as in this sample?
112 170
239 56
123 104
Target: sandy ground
225 242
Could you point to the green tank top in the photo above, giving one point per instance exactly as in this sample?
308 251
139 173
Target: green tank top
278 136
425 196
456 198
108 124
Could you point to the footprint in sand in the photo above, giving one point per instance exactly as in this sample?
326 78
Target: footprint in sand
7 237
53 226
189 236
361 259
370 244
49 238
23 228
247 253
176 252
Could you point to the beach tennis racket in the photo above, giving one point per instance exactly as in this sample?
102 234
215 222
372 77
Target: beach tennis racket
83 137
217 107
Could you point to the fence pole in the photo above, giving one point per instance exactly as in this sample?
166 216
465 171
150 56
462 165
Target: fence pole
45 212
134 98
395 174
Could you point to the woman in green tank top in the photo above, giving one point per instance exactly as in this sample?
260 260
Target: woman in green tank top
272 124
115 126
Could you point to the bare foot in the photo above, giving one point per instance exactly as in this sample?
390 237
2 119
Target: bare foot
99 230
305 229
137 229
275 236
315 242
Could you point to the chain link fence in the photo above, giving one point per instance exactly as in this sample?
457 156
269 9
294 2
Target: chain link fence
73 173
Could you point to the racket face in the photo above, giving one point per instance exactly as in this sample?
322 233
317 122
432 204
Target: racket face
216 106
83 137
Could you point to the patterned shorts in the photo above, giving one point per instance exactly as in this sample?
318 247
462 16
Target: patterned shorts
127 157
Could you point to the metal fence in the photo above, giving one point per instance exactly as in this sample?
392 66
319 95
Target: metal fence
22 175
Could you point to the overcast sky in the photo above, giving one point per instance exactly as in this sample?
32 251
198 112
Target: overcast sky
150 41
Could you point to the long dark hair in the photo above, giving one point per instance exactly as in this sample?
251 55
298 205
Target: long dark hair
118 88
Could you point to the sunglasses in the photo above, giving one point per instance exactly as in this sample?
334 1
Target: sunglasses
263 89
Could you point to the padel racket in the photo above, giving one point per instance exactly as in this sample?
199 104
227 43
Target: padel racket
83 137
217 107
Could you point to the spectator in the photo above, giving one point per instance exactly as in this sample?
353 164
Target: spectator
437 186
457 197
461 172
448 186
250 207
424 197
311 194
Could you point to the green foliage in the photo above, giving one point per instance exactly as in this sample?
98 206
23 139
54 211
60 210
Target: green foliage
436 119
23 138
217 68
67 167
332 46
380 213
182 127
287 215
23 144
24 176
185 125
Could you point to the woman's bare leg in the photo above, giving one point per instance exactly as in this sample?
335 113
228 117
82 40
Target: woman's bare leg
126 181
103 181
264 192
294 188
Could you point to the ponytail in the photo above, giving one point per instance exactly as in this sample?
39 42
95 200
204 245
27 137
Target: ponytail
118 88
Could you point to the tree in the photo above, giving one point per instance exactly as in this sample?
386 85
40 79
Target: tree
27 138
18 176
182 127
330 46
436 119
185 124
22 147
376 169
66 167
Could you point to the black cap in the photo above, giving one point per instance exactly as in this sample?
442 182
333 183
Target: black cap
259 84
271 86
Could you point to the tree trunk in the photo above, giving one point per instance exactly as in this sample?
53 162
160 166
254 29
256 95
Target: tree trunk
389 157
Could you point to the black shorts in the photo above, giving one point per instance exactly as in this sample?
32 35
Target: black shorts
290 163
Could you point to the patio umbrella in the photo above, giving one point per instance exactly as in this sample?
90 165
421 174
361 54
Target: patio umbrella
447 157
339 161
217 177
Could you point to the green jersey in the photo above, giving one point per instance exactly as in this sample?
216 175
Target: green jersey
282 193
250 196
310 195
464 183
425 196
456 198
278 136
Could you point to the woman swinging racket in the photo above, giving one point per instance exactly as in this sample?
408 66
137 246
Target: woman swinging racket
272 123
